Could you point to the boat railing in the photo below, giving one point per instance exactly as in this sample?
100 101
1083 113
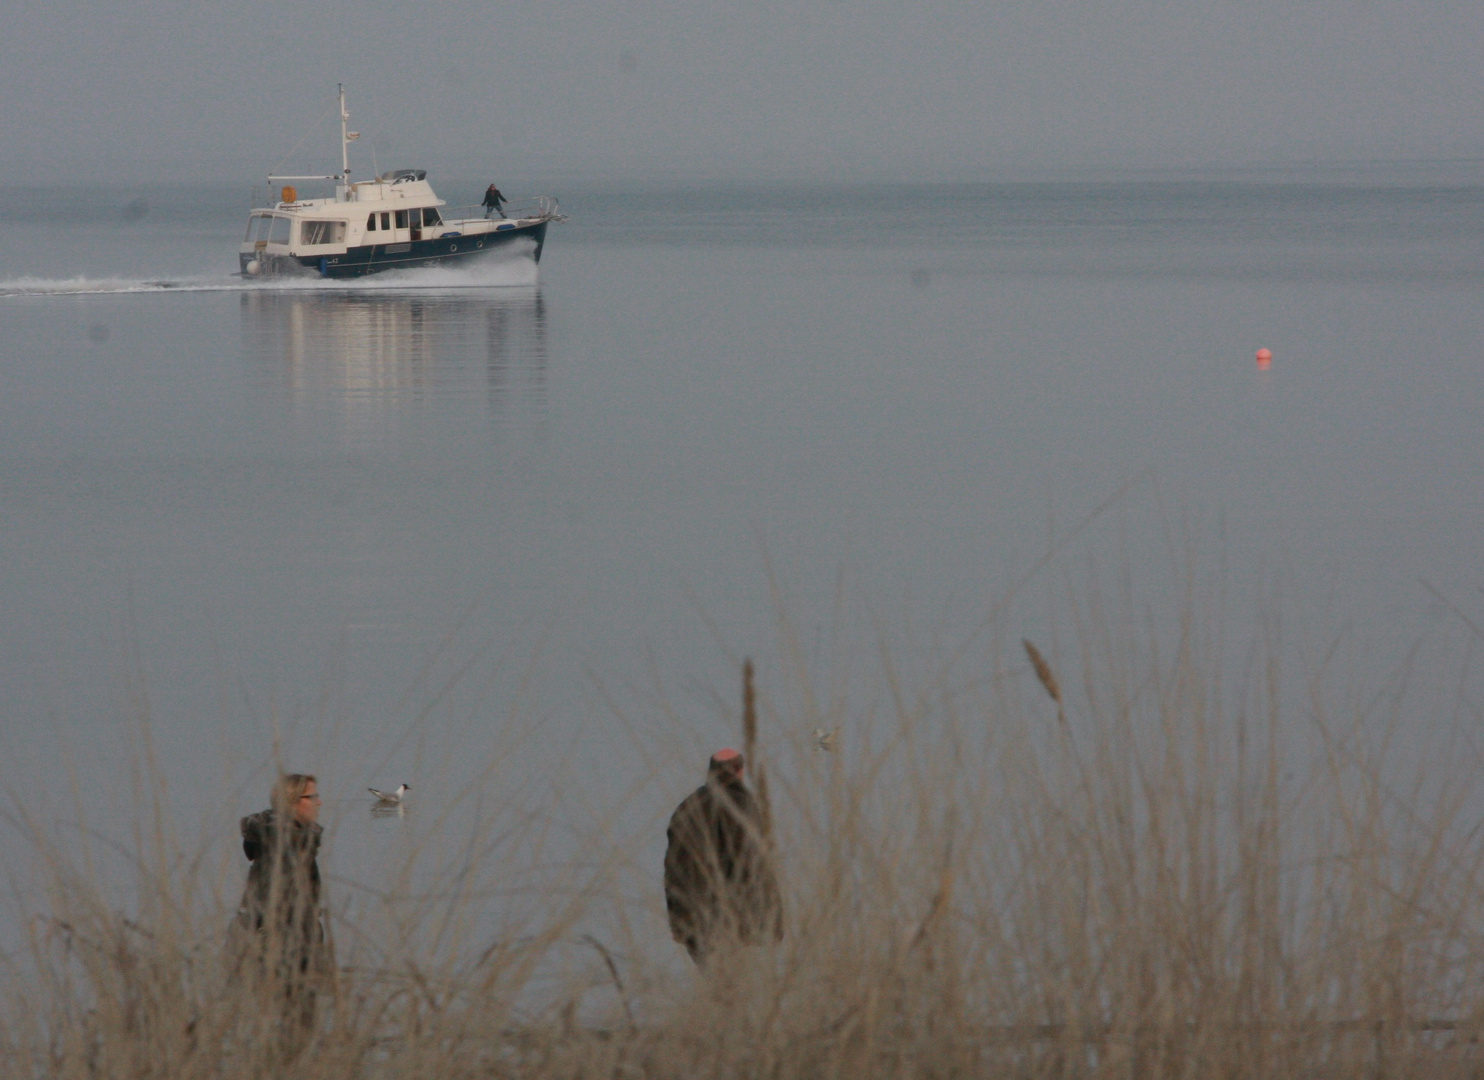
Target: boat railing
540 208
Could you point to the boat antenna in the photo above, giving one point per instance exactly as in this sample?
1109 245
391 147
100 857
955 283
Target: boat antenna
307 132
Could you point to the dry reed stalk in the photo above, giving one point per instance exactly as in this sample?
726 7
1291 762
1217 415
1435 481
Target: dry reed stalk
749 711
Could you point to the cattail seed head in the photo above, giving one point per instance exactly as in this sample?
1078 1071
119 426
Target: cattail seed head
1043 671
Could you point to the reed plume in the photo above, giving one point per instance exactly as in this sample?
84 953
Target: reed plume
749 749
1046 675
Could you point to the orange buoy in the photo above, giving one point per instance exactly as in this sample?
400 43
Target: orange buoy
1264 359
289 194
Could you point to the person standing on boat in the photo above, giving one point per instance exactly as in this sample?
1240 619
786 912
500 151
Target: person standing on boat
492 202
720 888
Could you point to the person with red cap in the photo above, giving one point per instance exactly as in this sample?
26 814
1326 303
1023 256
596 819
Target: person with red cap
719 882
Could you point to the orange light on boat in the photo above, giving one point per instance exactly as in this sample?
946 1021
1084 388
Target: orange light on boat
1264 359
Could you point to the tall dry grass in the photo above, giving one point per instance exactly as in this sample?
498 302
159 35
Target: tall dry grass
1100 864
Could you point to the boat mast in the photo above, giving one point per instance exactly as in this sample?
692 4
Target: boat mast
344 140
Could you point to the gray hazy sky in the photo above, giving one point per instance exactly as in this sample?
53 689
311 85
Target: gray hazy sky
826 89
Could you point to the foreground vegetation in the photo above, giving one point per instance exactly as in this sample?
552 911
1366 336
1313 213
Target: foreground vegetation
1150 876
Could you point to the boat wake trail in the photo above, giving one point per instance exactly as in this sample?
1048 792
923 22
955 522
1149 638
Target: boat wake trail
86 286
514 272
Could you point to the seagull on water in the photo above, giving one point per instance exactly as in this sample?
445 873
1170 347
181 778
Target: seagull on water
389 800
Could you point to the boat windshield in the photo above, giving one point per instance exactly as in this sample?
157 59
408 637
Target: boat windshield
268 227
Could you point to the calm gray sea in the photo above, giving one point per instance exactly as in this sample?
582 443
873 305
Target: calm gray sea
499 531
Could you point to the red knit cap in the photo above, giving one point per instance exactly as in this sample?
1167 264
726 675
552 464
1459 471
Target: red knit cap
726 758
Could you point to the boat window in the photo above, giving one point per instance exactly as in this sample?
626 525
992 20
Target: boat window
431 217
257 227
370 222
386 219
322 232
402 219
278 233
417 217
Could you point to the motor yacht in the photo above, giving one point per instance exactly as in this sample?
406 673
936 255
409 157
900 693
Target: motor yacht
391 222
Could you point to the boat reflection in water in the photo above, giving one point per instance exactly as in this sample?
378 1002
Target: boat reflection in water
380 351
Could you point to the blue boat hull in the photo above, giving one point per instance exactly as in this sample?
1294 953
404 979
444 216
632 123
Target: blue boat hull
376 258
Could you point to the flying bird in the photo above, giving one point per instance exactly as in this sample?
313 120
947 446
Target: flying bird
390 800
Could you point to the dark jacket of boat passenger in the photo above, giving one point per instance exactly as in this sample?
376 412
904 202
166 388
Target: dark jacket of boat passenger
719 878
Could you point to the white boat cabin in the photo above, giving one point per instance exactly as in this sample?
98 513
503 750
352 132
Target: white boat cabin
395 207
